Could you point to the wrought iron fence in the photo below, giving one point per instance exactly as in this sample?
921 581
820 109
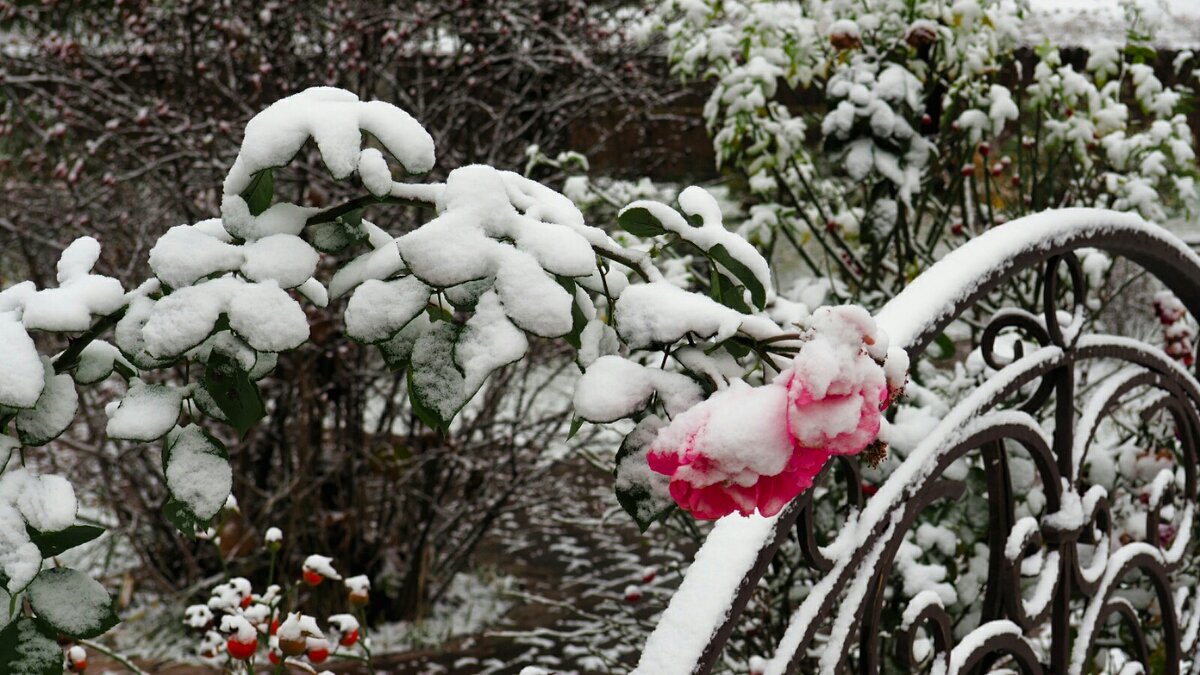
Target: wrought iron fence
1057 584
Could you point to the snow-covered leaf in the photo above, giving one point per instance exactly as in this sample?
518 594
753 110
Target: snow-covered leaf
435 384
335 235
283 258
128 334
397 351
758 294
267 317
72 603
27 649
146 412
53 412
97 361
379 309
187 253
23 380
199 477
640 491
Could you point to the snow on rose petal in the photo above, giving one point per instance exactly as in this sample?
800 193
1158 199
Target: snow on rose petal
836 389
732 453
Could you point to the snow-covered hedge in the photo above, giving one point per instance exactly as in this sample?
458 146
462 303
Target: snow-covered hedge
931 127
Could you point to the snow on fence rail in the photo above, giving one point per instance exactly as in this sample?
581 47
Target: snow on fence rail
839 625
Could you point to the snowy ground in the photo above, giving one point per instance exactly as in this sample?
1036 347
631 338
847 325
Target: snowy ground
549 589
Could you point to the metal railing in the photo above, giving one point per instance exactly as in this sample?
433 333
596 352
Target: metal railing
1033 618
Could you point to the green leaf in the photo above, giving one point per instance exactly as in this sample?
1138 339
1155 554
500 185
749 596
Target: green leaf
55 543
1141 53
52 414
435 383
184 520
260 191
425 413
578 319
758 294
576 425
335 235
233 392
730 294
640 222
72 603
25 648
736 349
635 493
945 345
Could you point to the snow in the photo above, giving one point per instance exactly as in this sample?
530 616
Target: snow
146 412
1069 516
280 218
273 536
331 117
23 373
79 296
185 254
322 565
47 502
284 258
239 628
97 361
932 296
382 262
1174 23
698 202
845 27
597 339
343 623
267 317
704 596
488 341
974 641
916 605
197 474
614 387
661 313
379 309
54 410
358 584
69 600
374 171
504 227
184 318
298 625
20 559
743 430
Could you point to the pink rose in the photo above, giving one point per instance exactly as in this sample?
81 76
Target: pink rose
732 453
757 448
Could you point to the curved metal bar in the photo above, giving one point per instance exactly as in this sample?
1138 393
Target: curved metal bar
920 312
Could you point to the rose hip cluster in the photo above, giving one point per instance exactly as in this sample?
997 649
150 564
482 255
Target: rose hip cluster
236 621
1176 330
